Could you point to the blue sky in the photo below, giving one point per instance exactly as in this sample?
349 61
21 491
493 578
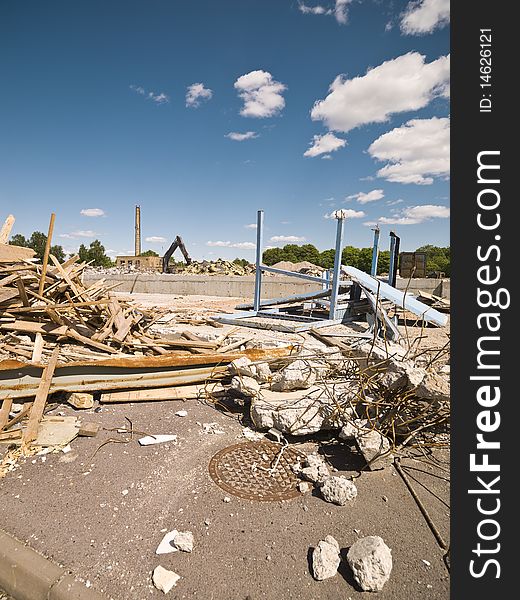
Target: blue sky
100 111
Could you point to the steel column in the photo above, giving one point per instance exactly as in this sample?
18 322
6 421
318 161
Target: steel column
375 252
337 265
259 252
392 257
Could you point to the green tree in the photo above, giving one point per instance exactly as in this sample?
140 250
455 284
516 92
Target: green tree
272 256
437 258
241 261
95 254
326 259
37 242
149 253
19 240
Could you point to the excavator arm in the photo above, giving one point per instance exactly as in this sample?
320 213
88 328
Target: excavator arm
177 243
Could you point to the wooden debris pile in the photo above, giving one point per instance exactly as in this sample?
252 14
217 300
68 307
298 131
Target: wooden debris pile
40 308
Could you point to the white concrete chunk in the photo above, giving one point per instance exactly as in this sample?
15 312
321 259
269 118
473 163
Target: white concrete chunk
183 540
372 445
371 562
247 386
150 440
325 559
297 375
165 547
338 490
163 579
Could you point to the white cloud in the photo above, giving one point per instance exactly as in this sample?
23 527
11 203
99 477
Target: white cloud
323 144
197 93
158 98
424 16
402 84
416 152
313 10
346 213
78 234
364 197
240 137
326 157
394 202
250 226
340 10
242 245
92 212
417 214
156 239
262 95
369 223
290 239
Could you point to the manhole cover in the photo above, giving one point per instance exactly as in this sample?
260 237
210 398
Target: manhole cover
250 470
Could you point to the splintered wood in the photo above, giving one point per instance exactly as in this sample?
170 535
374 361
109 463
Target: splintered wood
45 305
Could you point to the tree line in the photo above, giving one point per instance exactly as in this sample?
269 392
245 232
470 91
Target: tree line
437 258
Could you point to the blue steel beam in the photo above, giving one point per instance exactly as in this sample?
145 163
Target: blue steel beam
259 247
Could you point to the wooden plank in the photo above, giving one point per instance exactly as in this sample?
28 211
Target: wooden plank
63 306
37 348
21 415
77 292
4 412
33 327
7 294
87 341
46 253
184 392
16 350
13 254
190 336
5 232
22 292
9 279
40 400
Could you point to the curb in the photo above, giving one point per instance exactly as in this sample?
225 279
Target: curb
27 575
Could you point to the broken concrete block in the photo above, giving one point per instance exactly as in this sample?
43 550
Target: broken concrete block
372 445
242 366
163 579
403 374
263 372
88 429
338 490
247 386
297 375
325 559
371 562
304 487
314 469
375 353
165 547
80 400
183 540
352 428
297 413
434 387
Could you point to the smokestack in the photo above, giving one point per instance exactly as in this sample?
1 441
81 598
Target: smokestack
138 230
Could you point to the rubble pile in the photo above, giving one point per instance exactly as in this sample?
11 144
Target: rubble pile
217 267
305 267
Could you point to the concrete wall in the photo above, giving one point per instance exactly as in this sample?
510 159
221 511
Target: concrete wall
239 287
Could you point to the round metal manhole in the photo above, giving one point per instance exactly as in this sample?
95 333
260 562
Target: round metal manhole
256 471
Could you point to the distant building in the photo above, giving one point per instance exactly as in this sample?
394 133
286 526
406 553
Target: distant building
140 263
